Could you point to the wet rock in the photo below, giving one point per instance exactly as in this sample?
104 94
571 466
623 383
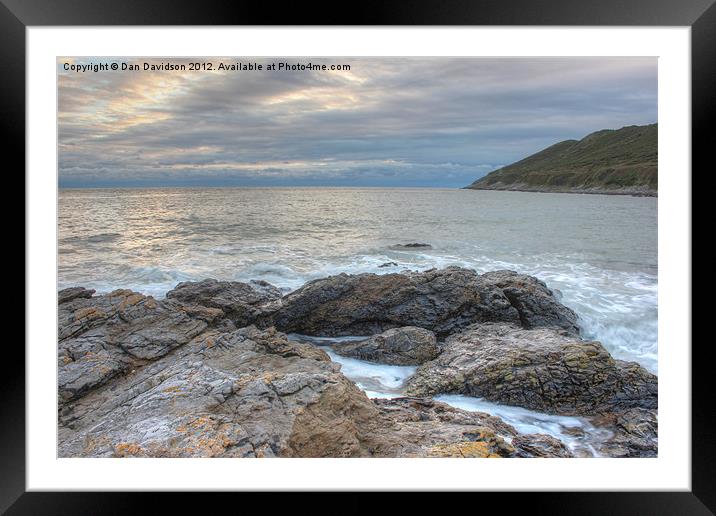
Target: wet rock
408 345
176 378
542 369
422 427
635 433
539 445
443 301
388 264
243 303
537 305
413 245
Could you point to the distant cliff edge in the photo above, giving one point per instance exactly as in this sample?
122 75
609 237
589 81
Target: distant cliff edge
621 161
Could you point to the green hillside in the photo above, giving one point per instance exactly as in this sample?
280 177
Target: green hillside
622 161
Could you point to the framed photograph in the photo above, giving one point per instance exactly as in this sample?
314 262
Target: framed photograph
285 251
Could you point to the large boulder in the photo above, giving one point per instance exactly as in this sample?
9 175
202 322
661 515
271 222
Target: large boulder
408 345
543 369
244 393
243 303
443 301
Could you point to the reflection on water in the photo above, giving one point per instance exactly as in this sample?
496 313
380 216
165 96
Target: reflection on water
599 251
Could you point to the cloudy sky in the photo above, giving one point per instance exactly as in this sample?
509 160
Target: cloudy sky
386 122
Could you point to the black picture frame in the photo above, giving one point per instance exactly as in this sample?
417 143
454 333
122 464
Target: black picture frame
700 15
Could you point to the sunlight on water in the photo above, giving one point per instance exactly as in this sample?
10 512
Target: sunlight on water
599 251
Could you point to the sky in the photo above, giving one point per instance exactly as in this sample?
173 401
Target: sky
412 122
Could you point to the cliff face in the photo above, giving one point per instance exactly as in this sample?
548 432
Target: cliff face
622 161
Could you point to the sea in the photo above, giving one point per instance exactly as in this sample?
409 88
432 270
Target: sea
598 252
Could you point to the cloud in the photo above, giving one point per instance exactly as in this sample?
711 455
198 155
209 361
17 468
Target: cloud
386 121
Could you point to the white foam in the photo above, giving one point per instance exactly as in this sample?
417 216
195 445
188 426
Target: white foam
602 260
388 381
381 380
578 434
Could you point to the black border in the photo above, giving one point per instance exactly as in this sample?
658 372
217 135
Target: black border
16 15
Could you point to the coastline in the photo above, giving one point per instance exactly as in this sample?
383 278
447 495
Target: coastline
585 191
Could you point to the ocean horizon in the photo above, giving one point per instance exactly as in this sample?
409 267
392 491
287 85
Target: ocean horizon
599 251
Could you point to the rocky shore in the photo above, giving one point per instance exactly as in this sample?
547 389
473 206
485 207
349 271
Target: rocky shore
209 371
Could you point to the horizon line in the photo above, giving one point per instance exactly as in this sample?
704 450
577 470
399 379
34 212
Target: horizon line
130 187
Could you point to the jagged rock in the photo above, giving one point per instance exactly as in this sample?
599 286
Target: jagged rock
543 369
176 378
537 305
102 336
422 427
443 301
635 433
252 393
388 264
243 303
539 445
246 393
68 294
408 345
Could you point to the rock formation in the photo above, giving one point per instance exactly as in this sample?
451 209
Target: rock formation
543 369
103 336
412 245
204 372
443 301
408 345
242 303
